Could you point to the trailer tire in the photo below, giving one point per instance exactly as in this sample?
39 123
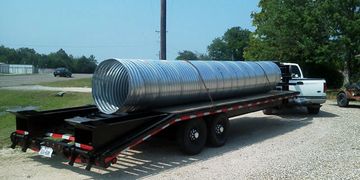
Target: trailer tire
342 100
218 130
268 111
191 136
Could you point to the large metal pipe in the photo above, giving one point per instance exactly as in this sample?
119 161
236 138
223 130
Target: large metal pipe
129 85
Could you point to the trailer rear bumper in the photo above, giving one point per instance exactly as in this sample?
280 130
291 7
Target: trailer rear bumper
61 145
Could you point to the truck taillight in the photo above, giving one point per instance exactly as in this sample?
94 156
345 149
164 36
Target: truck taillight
325 88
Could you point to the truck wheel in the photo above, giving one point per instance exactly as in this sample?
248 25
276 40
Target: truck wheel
218 130
342 100
191 136
313 110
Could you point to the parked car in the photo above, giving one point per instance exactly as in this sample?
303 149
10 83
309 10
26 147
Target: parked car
62 72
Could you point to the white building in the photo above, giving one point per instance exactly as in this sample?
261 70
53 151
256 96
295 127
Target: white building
16 68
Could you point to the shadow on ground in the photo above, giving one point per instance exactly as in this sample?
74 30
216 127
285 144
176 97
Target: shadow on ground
161 154
352 105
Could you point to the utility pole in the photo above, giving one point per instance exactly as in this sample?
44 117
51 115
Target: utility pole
163 30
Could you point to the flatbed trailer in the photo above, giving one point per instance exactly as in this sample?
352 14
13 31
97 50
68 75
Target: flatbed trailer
85 135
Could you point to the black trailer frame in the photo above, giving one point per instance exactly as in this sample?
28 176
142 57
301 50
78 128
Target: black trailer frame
84 134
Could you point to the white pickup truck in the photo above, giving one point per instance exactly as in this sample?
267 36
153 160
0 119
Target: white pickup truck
312 90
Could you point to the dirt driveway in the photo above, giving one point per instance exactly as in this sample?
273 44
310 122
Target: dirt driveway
18 80
292 145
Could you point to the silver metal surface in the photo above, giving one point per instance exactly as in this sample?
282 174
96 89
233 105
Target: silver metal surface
130 85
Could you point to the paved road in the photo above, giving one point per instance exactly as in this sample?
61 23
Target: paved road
18 80
292 145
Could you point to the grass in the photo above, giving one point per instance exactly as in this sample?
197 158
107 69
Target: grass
44 100
84 82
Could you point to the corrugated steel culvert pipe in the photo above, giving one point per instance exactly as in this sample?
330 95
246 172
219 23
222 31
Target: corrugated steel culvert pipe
122 85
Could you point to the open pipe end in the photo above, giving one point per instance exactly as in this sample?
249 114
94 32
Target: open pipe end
110 85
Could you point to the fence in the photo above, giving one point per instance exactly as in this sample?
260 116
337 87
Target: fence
45 70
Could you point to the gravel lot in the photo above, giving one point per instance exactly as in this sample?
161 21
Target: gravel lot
292 145
18 80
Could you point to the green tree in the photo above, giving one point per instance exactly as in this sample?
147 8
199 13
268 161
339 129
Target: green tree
52 60
344 16
307 32
230 46
8 55
289 31
203 57
218 50
27 56
85 65
187 55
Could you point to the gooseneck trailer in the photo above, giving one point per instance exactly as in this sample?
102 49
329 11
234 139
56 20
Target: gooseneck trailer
87 135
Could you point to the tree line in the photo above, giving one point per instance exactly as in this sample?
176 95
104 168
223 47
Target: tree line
322 36
57 59
230 46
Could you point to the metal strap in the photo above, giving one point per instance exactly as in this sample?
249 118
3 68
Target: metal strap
267 78
202 80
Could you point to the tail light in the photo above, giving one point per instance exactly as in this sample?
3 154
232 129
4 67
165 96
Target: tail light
325 87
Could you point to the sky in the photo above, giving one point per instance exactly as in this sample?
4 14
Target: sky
119 28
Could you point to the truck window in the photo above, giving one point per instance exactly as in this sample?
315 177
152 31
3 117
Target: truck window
295 72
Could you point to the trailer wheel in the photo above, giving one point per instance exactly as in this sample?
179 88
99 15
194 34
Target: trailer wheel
218 128
342 100
191 136
268 111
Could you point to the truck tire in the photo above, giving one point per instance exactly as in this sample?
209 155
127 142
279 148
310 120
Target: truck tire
218 130
313 110
342 100
191 136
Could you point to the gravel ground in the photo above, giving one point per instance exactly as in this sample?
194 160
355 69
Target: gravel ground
18 80
292 145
